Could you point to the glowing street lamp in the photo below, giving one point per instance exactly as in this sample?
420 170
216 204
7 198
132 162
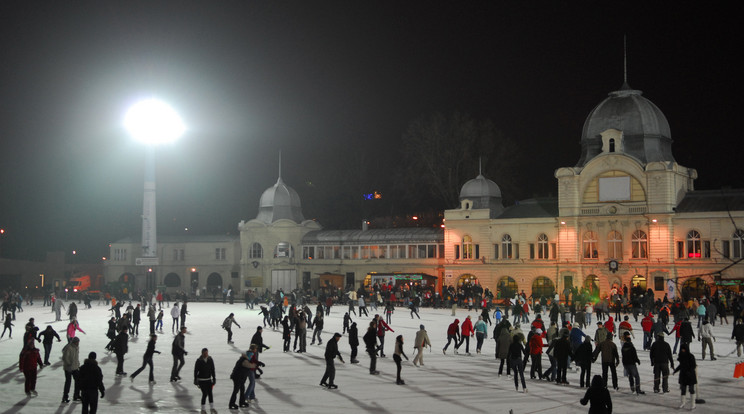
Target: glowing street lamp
152 122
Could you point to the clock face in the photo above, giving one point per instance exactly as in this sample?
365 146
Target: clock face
613 264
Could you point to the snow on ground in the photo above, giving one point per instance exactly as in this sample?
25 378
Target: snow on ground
447 383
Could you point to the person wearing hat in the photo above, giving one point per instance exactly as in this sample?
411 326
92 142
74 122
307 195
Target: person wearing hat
630 360
610 359
331 352
421 342
624 327
71 366
661 358
91 383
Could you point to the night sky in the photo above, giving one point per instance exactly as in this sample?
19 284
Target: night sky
325 82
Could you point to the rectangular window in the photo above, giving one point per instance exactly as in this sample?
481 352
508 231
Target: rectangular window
365 252
394 252
431 251
234 275
374 252
319 252
182 254
336 252
532 250
477 251
658 283
496 251
554 250
219 253
346 252
542 251
402 252
175 255
706 249
507 250
457 251
516 250
441 251
355 252
382 252
422 251
738 248
308 252
680 250
726 249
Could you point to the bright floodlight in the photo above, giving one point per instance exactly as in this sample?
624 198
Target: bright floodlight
153 122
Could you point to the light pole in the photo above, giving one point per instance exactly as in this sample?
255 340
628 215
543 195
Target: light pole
151 122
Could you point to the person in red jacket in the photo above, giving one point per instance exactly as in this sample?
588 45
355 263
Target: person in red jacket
677 325
536 345
381 328
467 332
453 332
610 325
647 324
30 358
538 324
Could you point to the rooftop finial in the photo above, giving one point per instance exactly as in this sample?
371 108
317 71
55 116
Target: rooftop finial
480 166
280 164
625 59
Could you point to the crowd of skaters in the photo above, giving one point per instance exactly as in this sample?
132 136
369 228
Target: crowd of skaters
565 345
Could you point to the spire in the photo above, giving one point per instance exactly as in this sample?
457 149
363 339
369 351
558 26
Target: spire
625 64
480 166
280 164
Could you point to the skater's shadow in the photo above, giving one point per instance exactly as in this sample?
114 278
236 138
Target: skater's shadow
183 397
146 397
18 407
67 408
279 394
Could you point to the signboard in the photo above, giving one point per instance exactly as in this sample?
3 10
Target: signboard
146 261
670 289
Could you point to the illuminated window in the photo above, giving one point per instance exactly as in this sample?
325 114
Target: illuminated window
256 251
639 243
506 247
467 247
590 245
542 246
694 245
615 245
738 243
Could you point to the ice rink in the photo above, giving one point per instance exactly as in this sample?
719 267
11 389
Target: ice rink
446 384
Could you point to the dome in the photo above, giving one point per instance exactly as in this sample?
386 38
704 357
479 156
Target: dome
478 187
646 133
280 202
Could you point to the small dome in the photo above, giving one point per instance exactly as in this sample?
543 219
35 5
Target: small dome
646 132
478 187
280 202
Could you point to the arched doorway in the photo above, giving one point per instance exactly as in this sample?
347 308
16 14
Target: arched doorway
638 284
214 281
542 287
172 280
466 280
694 288
127 283
591 283
506 288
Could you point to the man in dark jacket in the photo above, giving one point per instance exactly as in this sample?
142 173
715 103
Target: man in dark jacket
370 342
610 359
583 357
49 334
331 352
91 382
353 342
147 359
738 335
257 339
561 352
178 350
238 376
120 349
661 358
630 360
686 333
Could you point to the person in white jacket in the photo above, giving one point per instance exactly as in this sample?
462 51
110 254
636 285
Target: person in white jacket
175 313
706 336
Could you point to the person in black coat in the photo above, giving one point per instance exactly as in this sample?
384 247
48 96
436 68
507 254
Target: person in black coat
331 352
583 357
630 361
370 342
354 342
686 333
562 352
205 378
286 333
661 358
49 334
260 346
91 383
239 376
121 348
598 396
515 355
687 375
147 359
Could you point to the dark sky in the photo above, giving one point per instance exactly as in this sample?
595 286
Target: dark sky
321 80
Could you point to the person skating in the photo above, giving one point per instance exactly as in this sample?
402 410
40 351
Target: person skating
687 376
420 343
257 339
706 336
317 329
347 322
159 322
598 397
453 333
71 366
737 334
238 376
8 326
610 359
286 333
252 354
49 334
562 352
661 359
397 353
175 314
205 378
535 346
27 363
147 359
412 307
354 342
120 349
136 318
331 352
481 333
382 327
227 325
91 383
583 357
178 350
370 342
515 355
630 361
184 312
466 333
151 318
72 327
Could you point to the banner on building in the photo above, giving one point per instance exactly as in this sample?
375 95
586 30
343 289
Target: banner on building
670 288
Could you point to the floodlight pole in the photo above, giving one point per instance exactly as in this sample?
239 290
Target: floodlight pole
149 219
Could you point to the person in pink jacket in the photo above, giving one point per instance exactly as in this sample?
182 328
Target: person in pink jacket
467 332
71 328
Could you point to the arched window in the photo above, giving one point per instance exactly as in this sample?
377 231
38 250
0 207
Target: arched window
694 245
256 251
612 144
467 247
590 245
172 280
506 247
615 245
639 243
738 243
506 288
542 246
542 287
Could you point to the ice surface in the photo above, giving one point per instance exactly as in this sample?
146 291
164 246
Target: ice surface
446 384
